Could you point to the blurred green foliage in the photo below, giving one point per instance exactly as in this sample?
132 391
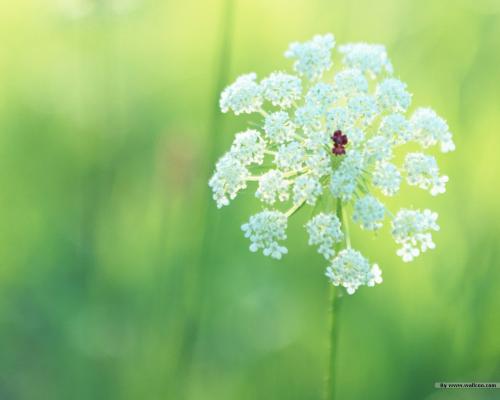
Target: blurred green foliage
120 280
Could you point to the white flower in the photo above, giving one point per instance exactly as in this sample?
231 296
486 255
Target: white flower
351 270
307 188
396 128
356 135
324 230
282 89
290 156
392 95
308 117
248 147
243 96
313 57
412 230
428 129
363 108
264 230
316 140
422 171
327 143
377 149
321 96
271 185
369 213
338 118
344 180
376 278
350 82
229 178
387 178
369 58
278 127
319 163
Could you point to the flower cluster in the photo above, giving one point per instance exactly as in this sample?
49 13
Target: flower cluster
324 230
334 135
351 270
411 229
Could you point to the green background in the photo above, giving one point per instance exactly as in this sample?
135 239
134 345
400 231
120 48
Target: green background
119 279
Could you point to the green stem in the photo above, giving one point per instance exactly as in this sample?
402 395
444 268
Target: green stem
335 302
345 224
294 209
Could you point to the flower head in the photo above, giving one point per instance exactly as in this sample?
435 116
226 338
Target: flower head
369 212
281 89
396 128
387 178
306 189
278 127
272 185
312 58
248 147
229 178
324 230
351 270
329 140
243 97
412 230
369 58
429 129
422 171
350 82
391 95
264 230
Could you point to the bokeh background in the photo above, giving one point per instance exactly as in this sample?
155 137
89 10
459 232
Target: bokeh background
119 279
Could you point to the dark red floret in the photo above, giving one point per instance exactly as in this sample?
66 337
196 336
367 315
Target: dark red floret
339 141
338 150
339 138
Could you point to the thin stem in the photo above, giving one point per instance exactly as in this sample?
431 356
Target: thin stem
345 223
257 178
294 209
298 137
335 302
297 172
389 213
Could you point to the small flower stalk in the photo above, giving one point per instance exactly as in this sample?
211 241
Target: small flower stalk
332 129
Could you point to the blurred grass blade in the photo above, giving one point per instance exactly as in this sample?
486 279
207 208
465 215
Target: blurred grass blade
198 273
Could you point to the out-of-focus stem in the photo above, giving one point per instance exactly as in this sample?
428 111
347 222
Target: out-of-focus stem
197 274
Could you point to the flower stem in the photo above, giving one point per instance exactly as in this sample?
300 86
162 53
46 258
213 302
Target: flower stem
345 223
335 302
263 113
294 209
285 175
